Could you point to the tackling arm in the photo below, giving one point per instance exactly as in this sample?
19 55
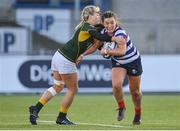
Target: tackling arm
93 48
90 50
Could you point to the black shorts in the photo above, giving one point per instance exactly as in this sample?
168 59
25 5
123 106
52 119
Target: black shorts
133 69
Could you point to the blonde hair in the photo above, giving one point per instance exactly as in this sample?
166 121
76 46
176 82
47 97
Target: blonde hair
86 12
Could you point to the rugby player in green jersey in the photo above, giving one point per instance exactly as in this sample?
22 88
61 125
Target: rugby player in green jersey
64 67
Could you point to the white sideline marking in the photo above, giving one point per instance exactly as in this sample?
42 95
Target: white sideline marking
89 124
103 125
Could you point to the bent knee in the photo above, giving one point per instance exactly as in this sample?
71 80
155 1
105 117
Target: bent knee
117 86
58 88
73 90
58 85
136 93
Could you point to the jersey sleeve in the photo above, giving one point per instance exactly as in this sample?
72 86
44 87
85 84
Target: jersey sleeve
95 34
121 33
99 27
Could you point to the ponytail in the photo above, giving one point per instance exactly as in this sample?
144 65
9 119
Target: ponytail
88 10
80 24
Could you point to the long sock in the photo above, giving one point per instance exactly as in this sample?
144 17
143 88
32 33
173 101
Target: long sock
40 105
121 104
62 115
137 110
62 112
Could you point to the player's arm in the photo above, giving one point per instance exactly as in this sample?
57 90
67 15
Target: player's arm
90 50
119 51
103 37
93 47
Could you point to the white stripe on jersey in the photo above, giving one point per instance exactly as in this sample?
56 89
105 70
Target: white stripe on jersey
128 55
131 51
119 32
129 47
129 60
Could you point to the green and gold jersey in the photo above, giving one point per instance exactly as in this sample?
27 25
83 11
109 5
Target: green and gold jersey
80 41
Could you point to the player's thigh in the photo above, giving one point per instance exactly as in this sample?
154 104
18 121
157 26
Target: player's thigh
118 75
134 82
58 82
71 80
57 76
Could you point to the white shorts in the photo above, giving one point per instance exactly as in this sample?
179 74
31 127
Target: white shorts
62 65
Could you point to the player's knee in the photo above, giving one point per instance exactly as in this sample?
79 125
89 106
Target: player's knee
73 90
58 88
58 85
117 86
136 94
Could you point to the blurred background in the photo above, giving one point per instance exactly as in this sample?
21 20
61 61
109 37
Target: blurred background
32 30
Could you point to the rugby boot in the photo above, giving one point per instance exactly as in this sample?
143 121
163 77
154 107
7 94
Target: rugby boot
121 114
64 121
137 120
33 115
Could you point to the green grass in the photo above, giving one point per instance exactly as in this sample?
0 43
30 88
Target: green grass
160 112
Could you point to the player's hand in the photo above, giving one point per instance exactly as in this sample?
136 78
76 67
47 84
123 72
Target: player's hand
103 51
79 59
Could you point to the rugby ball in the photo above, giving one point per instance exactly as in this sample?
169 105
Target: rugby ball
108 46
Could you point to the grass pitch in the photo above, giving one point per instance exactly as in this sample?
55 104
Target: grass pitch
91 112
